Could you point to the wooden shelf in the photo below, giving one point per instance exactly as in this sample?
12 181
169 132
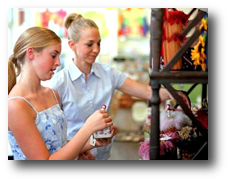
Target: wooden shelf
166 77
180 77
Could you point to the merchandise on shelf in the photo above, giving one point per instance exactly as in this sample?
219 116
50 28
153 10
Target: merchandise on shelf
173 24
179 139
200 50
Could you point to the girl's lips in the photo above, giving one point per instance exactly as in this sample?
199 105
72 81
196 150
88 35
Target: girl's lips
52 70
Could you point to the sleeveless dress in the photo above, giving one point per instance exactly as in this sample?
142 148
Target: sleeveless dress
52 125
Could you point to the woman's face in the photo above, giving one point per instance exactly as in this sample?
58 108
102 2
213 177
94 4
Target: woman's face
47 61
88 46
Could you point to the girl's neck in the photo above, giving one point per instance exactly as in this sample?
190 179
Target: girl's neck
30 82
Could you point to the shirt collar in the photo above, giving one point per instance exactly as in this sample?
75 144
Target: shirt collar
75 73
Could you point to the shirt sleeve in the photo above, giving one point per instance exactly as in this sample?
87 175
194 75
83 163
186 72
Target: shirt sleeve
118 78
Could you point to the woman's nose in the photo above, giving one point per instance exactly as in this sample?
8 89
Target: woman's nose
96 49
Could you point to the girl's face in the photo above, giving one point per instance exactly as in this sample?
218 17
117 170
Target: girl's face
88 46
47 61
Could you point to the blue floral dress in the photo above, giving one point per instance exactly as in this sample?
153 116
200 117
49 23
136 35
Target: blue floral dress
52 126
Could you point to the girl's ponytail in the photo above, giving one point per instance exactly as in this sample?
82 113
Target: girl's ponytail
12 64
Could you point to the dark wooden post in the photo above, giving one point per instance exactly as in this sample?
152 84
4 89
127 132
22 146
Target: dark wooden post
155 48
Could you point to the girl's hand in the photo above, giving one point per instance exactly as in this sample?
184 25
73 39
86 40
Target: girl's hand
87 155
98 121
100 142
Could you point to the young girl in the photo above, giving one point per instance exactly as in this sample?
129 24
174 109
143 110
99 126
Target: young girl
36 124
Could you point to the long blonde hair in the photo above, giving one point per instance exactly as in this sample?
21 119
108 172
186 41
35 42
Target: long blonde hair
36 37
76 23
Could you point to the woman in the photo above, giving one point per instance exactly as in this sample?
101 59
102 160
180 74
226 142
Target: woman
94 83
36 123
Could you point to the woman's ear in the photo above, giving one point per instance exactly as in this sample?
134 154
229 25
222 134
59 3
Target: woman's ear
72 45
30 53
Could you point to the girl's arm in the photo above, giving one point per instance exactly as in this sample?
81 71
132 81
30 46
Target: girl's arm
21 123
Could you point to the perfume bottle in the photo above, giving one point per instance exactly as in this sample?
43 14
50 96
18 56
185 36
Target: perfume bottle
105 133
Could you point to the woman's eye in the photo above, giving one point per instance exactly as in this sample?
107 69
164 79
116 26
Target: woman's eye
89 45
53 56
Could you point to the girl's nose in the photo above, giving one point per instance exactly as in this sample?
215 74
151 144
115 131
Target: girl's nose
58 62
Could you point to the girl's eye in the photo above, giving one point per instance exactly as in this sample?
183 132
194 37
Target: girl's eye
53 56
89 45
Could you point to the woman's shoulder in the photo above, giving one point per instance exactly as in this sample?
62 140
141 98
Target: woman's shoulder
58 78
60 74
102 65
105 68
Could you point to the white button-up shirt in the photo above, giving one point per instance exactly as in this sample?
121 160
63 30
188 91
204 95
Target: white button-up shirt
80 99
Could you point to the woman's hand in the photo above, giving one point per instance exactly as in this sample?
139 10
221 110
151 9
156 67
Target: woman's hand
100 142
184 97
98 121
165 95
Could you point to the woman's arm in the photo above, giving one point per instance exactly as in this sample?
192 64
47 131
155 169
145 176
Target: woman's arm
142 91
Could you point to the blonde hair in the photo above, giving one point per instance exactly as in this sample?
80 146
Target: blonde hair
75 23
36 37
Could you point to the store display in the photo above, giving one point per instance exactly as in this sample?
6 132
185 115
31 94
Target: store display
187 62
144 149
179 139
188 138
199 52
173 24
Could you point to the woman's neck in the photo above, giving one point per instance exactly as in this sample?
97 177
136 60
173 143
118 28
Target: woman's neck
84 67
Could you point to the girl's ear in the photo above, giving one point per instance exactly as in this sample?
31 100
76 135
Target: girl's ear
72 45
30 53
